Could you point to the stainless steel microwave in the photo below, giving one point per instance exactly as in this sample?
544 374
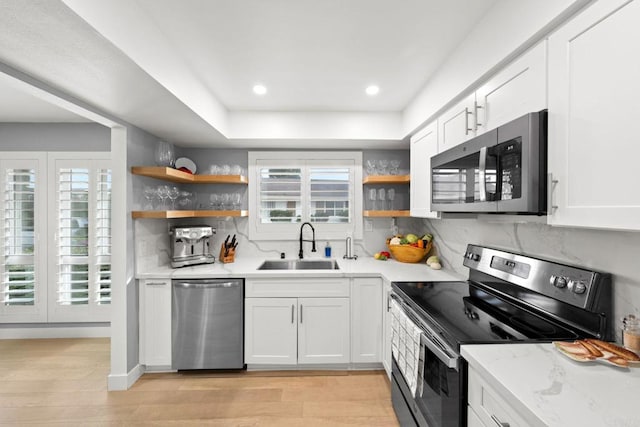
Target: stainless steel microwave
501 171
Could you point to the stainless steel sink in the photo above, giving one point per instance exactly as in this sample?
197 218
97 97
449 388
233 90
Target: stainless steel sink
302 264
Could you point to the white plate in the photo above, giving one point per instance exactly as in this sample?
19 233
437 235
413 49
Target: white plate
185 162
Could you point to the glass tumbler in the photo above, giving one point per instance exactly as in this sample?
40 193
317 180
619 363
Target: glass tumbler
382 197
164 154
372 198
391 195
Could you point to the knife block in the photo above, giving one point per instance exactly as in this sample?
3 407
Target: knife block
230 257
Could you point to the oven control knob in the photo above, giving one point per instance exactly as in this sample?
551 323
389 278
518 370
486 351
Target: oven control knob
558 281
474 315
577 287
475 257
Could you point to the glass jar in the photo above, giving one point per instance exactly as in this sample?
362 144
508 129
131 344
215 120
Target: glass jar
631 333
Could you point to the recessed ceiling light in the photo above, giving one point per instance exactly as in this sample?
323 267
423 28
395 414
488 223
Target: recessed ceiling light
259 89
372 90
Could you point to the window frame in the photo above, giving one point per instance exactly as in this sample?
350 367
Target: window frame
305 160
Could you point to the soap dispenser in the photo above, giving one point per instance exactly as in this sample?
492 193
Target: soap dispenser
327 250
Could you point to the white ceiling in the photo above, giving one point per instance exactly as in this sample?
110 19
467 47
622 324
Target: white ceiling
313 56
19 106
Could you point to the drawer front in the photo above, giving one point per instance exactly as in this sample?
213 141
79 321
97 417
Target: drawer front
490 407
296 287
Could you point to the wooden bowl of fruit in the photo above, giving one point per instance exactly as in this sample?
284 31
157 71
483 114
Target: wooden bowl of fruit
410 250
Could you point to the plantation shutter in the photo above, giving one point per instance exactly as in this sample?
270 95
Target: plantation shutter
330 194
82 265
19 246
280 195
73 232
23 291
103 237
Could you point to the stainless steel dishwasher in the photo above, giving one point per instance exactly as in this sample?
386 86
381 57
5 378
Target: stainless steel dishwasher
207 324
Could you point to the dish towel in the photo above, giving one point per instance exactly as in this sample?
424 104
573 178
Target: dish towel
405 346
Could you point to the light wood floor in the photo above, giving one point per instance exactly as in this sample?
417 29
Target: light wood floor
63 382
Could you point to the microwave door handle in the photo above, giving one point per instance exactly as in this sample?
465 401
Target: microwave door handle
482 175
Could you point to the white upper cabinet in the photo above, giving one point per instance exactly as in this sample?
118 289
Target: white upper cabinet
520 88
594 86
424 145
457 124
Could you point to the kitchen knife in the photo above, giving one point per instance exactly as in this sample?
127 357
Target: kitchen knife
233 240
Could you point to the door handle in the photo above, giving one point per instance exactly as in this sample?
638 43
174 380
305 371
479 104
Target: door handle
498 422
551 187
477 107
293 311
300 313
467 113
482 174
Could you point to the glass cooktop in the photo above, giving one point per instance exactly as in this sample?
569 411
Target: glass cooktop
461 313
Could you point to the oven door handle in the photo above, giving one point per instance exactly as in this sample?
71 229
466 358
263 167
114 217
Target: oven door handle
450 362
482 174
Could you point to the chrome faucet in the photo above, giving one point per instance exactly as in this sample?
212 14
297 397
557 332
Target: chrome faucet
348 250
313 241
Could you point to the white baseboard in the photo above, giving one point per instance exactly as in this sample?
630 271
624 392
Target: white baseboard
124 381
26 331
321 367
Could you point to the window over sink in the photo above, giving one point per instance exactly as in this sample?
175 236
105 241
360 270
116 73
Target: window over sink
289 188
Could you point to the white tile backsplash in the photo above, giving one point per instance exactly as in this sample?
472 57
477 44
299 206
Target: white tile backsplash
614 252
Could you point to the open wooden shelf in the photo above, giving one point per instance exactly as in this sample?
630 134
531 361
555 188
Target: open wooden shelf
187 214
384 214
174 175
386 179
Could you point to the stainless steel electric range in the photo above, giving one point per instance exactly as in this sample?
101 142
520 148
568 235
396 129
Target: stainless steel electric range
508 297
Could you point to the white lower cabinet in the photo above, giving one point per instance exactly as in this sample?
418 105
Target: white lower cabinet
323 330
488 406
296 327
155 322
271 330
366 320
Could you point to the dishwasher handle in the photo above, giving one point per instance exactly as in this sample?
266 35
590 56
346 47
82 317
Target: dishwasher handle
196 284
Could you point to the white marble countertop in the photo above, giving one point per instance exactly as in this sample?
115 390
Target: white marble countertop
552 390
247 267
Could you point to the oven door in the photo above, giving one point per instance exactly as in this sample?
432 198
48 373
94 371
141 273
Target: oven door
442 400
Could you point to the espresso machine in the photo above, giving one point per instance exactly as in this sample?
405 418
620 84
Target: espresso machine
191 244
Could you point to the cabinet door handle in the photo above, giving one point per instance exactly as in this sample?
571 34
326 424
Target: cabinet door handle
155 283
300 313
477 107
293 311
467 113
498 422
551 187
